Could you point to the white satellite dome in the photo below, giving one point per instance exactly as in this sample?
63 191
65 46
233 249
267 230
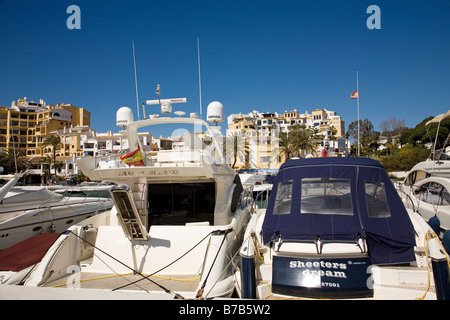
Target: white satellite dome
124 116
215 112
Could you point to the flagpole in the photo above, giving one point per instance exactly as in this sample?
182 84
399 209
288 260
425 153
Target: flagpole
357 103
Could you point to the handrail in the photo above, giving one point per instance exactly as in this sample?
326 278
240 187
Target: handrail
408 197
263 201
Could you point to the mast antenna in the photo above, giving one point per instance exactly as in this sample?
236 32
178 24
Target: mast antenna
158 92
135 81
199 76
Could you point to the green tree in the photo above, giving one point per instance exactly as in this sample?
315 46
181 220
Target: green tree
13 161
48 161
303 140
333 133
368 137
237 146
422 133
53 141
285 145
299 141
405 158
392 147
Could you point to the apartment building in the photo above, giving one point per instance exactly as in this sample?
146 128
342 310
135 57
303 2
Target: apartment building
258 130
26 124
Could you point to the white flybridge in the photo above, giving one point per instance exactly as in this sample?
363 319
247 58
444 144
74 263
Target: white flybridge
174 231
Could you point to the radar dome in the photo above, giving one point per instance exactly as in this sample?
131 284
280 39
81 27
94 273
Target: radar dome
124 116
215 112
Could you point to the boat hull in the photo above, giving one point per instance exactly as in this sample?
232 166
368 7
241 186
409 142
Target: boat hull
190 261
299 272
34 222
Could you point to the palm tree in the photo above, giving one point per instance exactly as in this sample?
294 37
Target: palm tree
47 160
333 132
236 145
53 141
303 140
285 145
13 161
393 147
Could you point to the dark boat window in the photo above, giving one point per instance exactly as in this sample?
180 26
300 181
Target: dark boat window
181 203
416 176
376 200
283 198
326 196
433 193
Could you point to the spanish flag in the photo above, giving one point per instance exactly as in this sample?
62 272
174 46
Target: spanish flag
354 95
133 158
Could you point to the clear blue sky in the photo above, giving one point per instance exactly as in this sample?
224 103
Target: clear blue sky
266 55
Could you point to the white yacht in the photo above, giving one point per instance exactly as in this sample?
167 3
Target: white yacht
29 211
174 231
438 164
426 186
431 198
335 228
84 189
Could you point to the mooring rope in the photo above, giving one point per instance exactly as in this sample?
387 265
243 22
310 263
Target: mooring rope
177 296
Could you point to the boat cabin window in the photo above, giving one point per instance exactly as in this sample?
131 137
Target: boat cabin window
181 203
376 201
433 193
283 198
326 196
416 176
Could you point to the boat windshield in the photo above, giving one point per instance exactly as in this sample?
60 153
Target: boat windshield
181 203
415 177
318 196
326 196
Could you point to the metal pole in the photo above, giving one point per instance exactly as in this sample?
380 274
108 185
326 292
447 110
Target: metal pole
199 77
357 102
135 82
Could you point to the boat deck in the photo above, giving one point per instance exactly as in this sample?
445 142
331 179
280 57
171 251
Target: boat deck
130 281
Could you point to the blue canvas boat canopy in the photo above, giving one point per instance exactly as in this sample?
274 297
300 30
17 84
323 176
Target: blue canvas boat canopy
340 200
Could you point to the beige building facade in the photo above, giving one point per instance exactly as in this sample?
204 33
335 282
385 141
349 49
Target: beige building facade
25 125
261 141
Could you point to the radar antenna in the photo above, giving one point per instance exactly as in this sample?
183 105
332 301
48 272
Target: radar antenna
165 104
